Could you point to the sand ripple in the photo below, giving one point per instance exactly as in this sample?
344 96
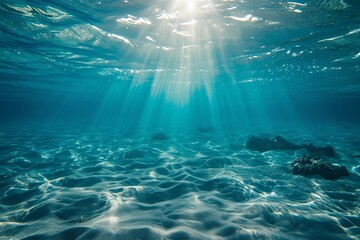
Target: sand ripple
101 185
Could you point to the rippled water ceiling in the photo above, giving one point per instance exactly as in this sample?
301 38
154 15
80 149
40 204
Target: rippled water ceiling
156 56
184 41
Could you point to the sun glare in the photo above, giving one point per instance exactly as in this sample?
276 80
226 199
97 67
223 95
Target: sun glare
188 46
191 39
191 7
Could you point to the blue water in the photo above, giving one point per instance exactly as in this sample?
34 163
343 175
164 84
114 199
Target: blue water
85 85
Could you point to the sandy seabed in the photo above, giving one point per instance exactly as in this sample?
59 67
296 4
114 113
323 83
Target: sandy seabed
110 185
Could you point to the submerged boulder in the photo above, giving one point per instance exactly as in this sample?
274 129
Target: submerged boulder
159 137
328 151
312 165
279 143
267 144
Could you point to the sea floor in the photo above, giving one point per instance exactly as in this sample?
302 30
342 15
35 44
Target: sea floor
104 184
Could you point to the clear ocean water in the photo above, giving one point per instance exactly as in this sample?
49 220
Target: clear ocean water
128 119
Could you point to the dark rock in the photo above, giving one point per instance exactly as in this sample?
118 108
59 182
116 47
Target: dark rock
312 165
267 144
159 137
258 144
327 151
301 152
355 155
310 147
206 129
280 143
135 153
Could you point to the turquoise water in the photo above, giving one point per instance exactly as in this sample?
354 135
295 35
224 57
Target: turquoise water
86 85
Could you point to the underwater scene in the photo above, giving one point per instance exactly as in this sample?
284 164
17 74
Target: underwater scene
179 119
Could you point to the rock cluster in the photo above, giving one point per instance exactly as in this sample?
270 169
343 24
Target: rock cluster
266 144
306 165
279 143
328 151
312 165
